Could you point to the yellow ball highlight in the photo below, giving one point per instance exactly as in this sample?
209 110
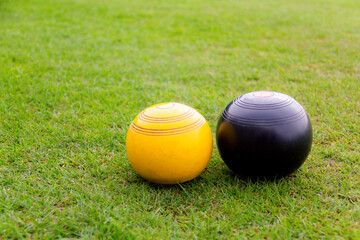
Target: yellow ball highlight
169 143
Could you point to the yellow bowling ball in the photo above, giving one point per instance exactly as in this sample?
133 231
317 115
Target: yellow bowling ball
169 143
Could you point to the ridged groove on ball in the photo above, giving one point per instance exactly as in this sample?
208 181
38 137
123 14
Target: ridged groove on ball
187 114
239 101
255 105
167 119
166 132
263 122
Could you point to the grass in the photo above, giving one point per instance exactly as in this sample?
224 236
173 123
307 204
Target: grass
74 73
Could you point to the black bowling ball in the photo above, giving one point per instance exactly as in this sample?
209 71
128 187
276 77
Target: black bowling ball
264 134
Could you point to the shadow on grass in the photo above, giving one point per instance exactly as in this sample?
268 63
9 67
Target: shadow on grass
217 177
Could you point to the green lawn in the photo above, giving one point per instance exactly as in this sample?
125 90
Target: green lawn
74 73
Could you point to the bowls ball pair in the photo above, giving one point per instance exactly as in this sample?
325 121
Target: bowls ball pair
260 134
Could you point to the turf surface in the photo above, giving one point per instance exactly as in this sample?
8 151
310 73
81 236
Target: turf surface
74 73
